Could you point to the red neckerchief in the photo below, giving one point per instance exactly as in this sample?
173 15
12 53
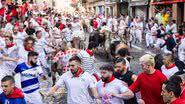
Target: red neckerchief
96 76
80 71
10 45
169 67
28 49
89 52
110 80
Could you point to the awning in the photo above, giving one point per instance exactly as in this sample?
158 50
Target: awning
167 2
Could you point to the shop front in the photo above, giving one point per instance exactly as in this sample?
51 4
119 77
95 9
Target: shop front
169 10
139 8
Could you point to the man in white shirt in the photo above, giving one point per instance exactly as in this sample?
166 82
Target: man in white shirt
88 60
110 89
27 47
9 26
169 68
139 30
181 50
20 36
109 22
78 84
173 27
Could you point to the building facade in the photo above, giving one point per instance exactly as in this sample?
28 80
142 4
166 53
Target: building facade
175 9
139 8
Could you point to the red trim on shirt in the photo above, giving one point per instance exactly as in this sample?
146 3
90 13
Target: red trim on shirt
110 80
169 67
89 52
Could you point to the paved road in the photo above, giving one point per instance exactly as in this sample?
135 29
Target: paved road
137 51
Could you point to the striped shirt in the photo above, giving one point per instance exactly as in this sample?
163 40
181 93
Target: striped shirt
29 77
87 61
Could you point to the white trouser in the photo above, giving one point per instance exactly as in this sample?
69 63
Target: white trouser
149 39
181 54
33 98
139 35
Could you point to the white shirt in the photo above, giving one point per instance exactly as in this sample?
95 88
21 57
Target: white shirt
109 22
174 28
1 5
139 25
76 26
77 87
2 42
88 62
116 87
127 64
19 38
67 34
168 72
40 45
23 54
9 27
181 50
167 27
154 30
159 42
56 32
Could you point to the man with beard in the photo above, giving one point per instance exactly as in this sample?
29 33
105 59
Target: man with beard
171 93
110 89
122 73
78 84
29 78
